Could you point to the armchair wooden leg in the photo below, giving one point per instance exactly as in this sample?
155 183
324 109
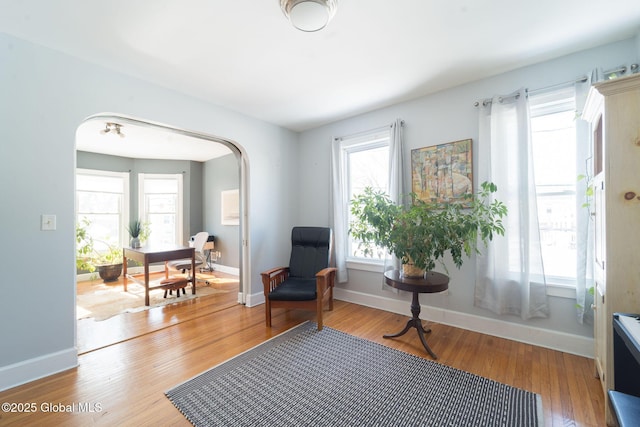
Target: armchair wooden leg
268 312
319 315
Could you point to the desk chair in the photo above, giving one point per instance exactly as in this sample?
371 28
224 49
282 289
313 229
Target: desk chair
183 265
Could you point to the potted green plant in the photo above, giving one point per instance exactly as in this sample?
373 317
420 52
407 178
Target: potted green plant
108 262
139 232
421 233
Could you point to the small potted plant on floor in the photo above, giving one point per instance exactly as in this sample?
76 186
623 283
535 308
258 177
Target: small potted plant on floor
421 233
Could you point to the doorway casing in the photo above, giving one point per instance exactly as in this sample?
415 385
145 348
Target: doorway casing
241 156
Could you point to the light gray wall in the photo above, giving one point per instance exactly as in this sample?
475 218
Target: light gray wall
222 174
439 118
46 95
197 214
192 182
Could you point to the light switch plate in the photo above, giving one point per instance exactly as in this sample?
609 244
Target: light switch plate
48 222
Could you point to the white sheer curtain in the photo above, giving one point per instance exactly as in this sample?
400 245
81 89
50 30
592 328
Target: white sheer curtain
509 273
338 210
396 185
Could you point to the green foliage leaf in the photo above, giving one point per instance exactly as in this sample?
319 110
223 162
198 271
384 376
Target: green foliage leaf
422 233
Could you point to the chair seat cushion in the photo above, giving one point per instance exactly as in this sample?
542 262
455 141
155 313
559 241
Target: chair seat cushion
294 289
626 408
183 264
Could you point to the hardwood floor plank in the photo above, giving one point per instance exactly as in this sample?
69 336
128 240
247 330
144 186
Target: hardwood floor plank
94 334
128 379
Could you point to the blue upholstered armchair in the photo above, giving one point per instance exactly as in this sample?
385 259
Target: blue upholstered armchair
307 283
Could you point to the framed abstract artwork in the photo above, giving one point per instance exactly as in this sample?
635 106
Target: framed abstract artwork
443 173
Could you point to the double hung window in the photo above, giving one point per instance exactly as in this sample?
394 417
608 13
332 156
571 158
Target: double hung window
102 199
365 161
161 207
553 132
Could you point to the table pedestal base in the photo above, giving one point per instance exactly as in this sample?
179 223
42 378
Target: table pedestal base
415 322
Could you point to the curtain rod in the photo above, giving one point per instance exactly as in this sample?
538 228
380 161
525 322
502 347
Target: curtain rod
366 132
559 85
622 69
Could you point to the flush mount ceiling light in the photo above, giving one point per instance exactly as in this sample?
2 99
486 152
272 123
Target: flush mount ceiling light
114 128
309 15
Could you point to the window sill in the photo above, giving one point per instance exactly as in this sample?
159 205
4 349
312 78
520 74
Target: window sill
365 265
561 287
561 290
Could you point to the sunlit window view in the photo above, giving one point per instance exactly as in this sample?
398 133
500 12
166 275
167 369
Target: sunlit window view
101 199
367 166
161 206
554 151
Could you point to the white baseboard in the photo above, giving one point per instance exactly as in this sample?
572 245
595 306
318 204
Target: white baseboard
38 367
225 269
254 299
561 341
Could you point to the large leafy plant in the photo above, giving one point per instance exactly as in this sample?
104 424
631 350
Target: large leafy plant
421 233
87 256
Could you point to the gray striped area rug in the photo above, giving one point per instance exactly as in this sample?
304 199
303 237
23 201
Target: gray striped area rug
305 377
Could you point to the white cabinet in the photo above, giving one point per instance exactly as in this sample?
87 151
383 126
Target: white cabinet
613 109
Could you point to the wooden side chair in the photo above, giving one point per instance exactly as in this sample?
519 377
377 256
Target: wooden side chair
307 283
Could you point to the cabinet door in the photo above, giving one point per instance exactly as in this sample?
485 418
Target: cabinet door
600 326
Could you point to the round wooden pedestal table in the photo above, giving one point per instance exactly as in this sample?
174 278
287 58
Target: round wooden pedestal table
432 282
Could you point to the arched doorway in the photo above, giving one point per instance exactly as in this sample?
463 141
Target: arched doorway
137 138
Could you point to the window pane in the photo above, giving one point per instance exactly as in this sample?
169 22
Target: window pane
104 229
367 167
101 198
158 203
554 150
101 183
155 185
161 206
91 202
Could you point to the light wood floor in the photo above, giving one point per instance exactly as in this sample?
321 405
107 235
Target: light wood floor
94 334
126 381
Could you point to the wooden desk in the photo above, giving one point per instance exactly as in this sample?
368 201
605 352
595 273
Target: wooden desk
148 255
432 282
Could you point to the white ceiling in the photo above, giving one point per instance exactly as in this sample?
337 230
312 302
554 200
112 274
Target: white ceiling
144 141
244 55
